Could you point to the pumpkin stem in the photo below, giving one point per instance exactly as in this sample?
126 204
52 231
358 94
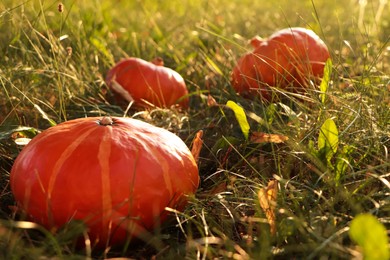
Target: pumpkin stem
256 41
107 120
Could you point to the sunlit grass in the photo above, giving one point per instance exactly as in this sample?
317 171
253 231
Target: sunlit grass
53 67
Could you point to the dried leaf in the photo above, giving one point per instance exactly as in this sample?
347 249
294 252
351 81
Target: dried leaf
197 145
267 199
260 137
211 101
221 187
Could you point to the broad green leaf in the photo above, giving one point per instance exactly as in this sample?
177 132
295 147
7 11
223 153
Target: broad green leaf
325 80
241 117
371 236
328 138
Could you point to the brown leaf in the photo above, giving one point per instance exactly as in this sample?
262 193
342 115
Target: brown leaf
221 187
197 145
267 199
260 137
211 101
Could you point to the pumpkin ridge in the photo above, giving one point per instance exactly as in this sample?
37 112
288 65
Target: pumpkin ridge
103 156
57 167
158 94
160 90
165 171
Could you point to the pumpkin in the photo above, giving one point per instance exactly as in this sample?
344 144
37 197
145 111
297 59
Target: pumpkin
288 59
147 83
115 174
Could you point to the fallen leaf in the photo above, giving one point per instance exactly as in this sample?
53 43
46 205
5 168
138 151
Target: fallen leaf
371 235
267 199
211 101
260 137
197 145
219 188
239 112
222 187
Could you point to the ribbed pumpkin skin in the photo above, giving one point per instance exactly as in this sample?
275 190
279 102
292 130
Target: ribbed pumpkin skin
288 59
143 80
117 178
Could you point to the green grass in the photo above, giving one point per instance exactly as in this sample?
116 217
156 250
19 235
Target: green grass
52 69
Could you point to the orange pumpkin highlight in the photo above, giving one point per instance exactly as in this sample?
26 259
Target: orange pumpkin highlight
115 174
288 59
146 83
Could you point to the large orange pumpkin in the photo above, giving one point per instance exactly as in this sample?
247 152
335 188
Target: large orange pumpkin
146 83
288 59
115 174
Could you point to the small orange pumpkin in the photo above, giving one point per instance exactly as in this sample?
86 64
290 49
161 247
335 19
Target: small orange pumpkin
288 59
116 174
146 83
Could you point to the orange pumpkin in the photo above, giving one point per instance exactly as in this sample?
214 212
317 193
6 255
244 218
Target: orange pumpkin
288 59
146 83
115 174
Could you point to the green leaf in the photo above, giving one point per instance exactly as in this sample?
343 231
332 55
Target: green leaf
271 113
342 162
240 116
325 80
328 138
371 236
